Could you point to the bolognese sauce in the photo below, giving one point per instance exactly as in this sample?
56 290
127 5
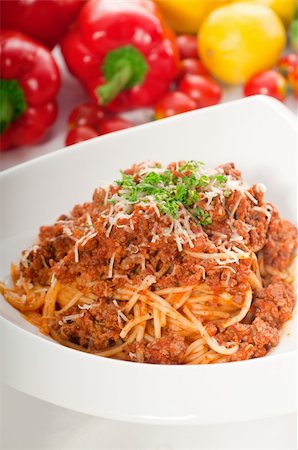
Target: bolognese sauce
175 265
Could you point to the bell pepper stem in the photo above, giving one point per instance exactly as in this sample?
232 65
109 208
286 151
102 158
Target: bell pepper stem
12 102
123 68
6 111
108 91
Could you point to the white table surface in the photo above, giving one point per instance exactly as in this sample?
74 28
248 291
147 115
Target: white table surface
29 423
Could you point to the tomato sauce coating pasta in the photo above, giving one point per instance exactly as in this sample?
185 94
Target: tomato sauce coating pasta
175 265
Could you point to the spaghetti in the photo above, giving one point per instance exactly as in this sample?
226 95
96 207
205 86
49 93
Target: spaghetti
176 265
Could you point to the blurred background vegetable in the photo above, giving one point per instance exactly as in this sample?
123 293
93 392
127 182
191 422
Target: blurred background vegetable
109 125
80 134
288 66
122 52
294 32
204 91
86 114
89 120
186 16
267 83
239 40
173 103
128 59
194 67
30 81
187 45
43 20
285 9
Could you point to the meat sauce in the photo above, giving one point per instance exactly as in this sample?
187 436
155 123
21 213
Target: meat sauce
142 245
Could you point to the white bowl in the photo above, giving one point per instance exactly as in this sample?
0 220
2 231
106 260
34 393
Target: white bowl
259 135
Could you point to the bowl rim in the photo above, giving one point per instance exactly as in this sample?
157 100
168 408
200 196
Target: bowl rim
285 358
269 102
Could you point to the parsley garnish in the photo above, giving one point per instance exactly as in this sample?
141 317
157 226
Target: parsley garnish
220 179
203 216
190 166
171 192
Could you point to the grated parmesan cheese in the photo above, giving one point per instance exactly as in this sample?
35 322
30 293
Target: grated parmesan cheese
65 319
111 265
86 306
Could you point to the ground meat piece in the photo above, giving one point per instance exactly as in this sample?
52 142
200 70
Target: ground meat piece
251 221
166 350
257 223
211 329
80 210
274 304
35 267
254 340
257 193
58 248
241 211
264 334
242 230
229 169
41 258
96 330
49 232
99 196
281 243
266 310
258 235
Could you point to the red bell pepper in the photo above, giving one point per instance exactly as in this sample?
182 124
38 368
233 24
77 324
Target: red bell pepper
43 20
122 52
29 83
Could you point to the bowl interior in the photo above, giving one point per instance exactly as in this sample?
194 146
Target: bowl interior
257 134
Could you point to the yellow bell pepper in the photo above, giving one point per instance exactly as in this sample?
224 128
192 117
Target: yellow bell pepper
186 16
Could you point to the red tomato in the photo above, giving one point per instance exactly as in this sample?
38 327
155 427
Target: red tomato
193 66
86 114
173 103
288 66
204 91
80 134
114 124
267 83
187 46
293 80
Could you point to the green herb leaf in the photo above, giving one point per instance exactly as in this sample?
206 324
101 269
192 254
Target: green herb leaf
220 179
127 180
203 216
191 166
170 192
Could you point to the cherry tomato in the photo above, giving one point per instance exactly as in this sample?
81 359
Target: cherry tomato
173 103
114 124
80 134
288 64
86 114
288 67
270 83
193 66
293 81
187 45
204 91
